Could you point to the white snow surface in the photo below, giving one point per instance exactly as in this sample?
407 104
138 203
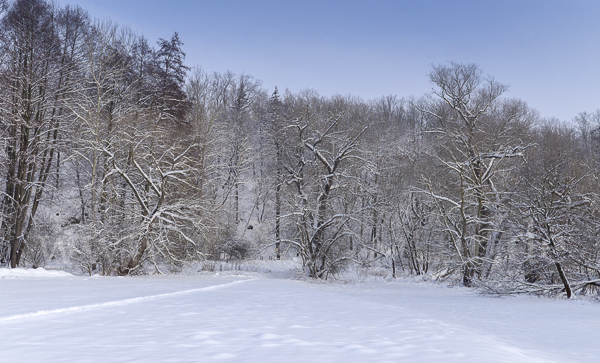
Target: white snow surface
31 273
254 318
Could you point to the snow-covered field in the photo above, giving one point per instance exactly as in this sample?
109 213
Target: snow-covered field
55 317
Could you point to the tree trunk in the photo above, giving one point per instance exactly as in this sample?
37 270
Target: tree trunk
564 279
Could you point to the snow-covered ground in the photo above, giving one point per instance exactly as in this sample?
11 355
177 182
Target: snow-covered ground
55 317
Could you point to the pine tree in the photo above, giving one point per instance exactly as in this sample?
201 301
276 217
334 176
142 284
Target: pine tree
170 73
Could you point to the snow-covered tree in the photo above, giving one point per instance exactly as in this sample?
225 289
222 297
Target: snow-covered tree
478 133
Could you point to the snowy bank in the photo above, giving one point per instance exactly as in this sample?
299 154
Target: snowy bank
31 273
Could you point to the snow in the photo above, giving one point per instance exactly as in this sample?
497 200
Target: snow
37 273
250 317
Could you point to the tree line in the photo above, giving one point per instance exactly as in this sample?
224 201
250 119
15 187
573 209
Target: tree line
119 159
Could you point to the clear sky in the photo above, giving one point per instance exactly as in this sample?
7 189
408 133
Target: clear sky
547 51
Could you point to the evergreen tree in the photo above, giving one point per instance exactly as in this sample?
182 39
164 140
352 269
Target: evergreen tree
170 73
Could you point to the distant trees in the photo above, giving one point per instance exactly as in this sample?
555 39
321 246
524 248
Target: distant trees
119 160
97 107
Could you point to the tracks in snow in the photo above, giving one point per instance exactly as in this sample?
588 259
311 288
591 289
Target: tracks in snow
41 313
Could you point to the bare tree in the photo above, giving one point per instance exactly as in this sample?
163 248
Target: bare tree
478 134
318 164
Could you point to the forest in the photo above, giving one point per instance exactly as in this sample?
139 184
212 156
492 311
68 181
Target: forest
116 158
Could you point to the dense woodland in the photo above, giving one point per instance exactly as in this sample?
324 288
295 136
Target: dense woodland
117 158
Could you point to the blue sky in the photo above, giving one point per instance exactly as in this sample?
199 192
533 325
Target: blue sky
547 51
